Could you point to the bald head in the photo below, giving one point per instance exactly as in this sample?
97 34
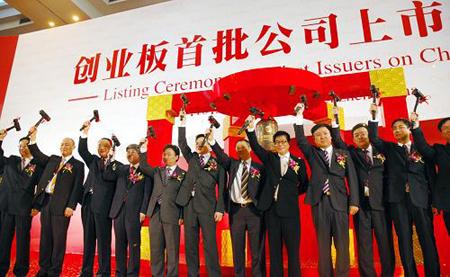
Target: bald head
67 147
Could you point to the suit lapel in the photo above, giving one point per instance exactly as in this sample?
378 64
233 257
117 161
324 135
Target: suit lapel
362 159
400 152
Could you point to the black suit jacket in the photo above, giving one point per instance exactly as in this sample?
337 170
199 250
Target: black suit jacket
170 211
291 184
402 170
440 154
335 173
69 181
128 195
256 177
371 174
205 178
19 184
103 189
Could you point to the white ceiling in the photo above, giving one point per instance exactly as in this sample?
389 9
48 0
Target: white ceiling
23 16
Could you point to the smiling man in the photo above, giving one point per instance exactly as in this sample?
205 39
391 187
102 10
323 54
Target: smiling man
408 190
286 179
58 192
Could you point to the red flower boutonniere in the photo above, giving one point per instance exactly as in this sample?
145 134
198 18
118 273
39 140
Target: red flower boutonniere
136 177
294 165
67 168
380 157
341 159
30 169
178 177
416 157
255 173
211 165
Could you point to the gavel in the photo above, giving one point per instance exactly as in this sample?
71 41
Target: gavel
44 117
150 134
16 125
185 103
115 140
375 94
253 111
335 99
213 123
304 101
95 117
420 98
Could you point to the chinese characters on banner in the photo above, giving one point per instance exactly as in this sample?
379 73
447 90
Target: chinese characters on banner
231 44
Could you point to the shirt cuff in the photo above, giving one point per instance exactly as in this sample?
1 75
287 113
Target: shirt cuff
212 142
334 124
299 120
83 136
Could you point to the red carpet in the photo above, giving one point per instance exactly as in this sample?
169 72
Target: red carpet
72 266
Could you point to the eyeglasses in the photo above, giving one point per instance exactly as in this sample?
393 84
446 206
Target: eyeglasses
279 142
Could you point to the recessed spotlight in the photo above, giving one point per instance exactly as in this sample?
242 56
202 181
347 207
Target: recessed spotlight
75 18
51 24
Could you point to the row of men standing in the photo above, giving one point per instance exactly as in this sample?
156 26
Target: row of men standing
171 197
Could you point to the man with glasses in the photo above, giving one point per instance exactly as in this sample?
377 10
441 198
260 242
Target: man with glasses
286 179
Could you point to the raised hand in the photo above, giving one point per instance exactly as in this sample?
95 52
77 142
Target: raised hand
299 109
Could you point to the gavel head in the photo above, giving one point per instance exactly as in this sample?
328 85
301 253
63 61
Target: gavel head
304 100
184 99
418 94
213 122
96 116
16 124
255 111
44 115
115 140
151 132
374 91
334 96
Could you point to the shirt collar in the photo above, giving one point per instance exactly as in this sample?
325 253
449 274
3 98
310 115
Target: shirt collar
172 168
67 158
328 149
285 156
408 144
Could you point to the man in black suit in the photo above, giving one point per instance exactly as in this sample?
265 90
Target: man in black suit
20 177
58 192
327 194
409 188
166 216
371 218
440 154
286 179
202 209
96 204
128 209
246 178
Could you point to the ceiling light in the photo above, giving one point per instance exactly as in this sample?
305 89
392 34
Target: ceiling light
75 18
51 24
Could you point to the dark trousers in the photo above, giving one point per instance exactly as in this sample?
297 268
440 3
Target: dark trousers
447 221
96 231
21 225
127 229
244 219
164 236
331 224
193 223
369 222
405 214
52 247
287 230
